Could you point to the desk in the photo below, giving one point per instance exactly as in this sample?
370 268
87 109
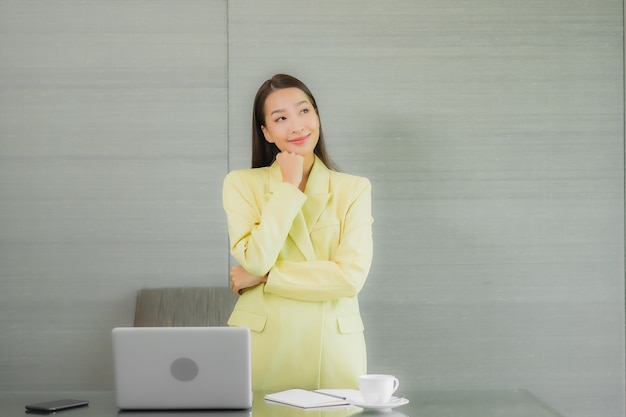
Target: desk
516 403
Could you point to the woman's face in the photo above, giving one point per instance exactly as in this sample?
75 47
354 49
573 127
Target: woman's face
291 122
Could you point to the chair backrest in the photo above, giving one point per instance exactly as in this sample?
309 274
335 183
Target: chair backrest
180 306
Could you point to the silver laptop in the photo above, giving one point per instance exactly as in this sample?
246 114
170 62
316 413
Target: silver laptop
161 368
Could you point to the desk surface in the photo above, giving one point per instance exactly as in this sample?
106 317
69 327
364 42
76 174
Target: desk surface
517 403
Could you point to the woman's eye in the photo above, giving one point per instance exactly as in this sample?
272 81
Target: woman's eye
304 111
280 119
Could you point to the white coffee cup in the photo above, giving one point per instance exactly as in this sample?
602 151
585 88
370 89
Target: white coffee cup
377 388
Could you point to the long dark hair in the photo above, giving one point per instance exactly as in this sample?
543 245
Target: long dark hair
263 152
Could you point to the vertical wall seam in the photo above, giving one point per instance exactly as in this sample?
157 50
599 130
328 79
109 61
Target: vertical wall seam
227 87
227 248
624 157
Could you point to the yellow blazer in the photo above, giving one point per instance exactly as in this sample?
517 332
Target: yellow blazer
316 248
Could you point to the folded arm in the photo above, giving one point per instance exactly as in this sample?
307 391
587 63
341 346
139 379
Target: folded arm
258 237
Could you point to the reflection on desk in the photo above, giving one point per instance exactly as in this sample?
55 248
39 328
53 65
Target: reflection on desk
514 403
184 413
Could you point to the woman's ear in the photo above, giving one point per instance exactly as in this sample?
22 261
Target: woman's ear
266 134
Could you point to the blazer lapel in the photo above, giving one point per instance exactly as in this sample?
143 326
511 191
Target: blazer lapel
317 198
317 193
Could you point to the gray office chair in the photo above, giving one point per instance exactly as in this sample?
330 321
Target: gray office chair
180 306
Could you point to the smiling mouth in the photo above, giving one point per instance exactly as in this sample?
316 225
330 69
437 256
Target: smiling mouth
299 139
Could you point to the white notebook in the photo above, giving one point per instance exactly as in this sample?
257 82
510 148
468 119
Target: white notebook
312 399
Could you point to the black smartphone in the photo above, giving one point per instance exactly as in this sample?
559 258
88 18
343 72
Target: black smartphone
56 405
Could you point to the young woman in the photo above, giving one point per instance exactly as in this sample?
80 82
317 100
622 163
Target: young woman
302 234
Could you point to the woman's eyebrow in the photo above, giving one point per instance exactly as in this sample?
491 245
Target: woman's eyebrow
295 105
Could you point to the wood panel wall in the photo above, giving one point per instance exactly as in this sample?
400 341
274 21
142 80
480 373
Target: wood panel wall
113 143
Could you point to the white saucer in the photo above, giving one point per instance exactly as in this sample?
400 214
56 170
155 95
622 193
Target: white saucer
393 403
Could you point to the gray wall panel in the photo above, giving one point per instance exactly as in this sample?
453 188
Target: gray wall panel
492 131
493 136
113 144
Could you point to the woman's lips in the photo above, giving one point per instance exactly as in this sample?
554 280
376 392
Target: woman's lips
299 140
